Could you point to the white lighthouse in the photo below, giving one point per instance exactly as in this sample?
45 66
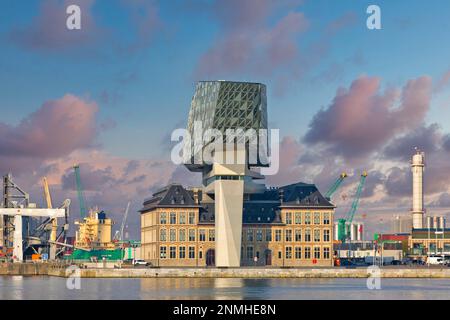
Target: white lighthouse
417 167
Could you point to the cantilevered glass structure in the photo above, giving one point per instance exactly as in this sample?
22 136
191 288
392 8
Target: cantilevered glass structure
225 105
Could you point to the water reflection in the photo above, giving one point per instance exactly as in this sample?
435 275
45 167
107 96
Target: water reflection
223 288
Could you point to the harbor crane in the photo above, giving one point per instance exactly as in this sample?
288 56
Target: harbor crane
54 236
119 233
80 192
343 233
335 186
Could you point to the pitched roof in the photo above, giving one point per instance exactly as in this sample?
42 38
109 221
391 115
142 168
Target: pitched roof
172 195
258 208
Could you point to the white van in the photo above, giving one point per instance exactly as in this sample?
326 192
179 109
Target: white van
436 260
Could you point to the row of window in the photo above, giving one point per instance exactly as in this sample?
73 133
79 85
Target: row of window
174 218
290 235
307 218
190 236
296 252
182 254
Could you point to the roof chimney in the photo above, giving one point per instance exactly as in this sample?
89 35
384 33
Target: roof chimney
281 195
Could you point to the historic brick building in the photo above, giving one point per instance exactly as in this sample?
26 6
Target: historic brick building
287 226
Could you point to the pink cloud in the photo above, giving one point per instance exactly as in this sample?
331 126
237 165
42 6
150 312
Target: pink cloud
248 42
443 82
56 129
48 31
144 16
362 119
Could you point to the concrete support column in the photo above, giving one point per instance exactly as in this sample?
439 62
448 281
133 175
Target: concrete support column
228 221
18 250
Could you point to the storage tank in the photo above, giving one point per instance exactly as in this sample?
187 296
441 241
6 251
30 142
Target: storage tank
336 231
441 223
436 222
429 223
352 232
360 228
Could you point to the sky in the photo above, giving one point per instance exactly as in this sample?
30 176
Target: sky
344 97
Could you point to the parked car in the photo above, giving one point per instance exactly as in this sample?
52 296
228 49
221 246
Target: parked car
140 262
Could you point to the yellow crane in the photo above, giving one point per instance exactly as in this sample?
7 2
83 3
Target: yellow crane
48 199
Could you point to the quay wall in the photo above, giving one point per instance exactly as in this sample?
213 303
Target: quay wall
45 269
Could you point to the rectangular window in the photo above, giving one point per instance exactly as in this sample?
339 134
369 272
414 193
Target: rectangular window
211 235
308 235
259 235
163 252
182 235
162 218
326 218
288 252
298 218
201 235
288 217
173 252
191 217
173 235
162 235
326 235
249 235
317 252
326 253
316 217
298 235
307 218
182 218
277 235
182 252
250 253
316 235
173 218
298 252
307 252
288 235
191 252
191 234
280 255
268 235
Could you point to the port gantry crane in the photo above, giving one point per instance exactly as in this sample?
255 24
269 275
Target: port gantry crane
343 233
81 200
335 186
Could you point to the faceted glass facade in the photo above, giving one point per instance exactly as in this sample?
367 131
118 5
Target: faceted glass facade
226 105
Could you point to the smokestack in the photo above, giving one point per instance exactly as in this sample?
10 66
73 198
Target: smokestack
417 166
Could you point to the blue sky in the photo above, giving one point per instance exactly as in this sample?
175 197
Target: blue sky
413 42
138 61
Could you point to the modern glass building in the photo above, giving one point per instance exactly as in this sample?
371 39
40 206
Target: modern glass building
224 105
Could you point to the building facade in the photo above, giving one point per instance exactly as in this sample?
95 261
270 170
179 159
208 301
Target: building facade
290 226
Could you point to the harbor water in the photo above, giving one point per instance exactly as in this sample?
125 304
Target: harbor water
54 288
